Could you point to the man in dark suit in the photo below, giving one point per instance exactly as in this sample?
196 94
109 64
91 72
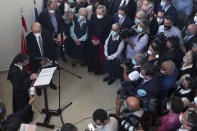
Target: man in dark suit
130 4
122 18
51 21
167 7
190 36
38 45
149 84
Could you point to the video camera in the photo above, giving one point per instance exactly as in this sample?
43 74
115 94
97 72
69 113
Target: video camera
131 123
123 60
128 32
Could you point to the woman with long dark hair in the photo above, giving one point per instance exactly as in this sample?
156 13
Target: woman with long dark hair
21 81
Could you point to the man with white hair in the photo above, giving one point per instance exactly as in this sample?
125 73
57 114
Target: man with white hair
78 33
113 48
99 28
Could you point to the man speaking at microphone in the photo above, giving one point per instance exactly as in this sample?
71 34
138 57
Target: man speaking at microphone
38 46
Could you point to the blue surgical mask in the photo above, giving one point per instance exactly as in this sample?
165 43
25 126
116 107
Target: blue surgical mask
163 4
113 33
139 29
133 61
137 21
185 60
70 1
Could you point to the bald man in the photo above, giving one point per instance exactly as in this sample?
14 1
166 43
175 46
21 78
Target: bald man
134 106
190 36
38 45
168 74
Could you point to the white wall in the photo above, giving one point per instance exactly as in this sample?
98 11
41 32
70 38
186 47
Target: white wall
10 27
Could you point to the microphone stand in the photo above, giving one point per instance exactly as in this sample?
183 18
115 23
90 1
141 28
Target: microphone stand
60 110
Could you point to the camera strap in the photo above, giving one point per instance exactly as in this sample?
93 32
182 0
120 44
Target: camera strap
141 35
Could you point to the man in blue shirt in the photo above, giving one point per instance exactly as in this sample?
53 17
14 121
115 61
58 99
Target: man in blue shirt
168 74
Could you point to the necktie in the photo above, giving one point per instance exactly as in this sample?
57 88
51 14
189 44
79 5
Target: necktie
41 45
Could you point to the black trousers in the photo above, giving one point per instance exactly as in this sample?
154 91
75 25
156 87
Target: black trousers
93 58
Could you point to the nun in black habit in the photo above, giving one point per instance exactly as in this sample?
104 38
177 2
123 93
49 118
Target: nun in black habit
21 81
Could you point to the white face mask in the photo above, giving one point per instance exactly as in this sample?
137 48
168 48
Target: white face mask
120 16
195 19
58 4
99 127
139 29
163 4
52 11
180 118
149 52
167 106
159 20
141 76
163 72
37 34
81 17
195 100
99 16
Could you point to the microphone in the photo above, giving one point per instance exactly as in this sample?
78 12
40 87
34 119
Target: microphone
42 58
32 91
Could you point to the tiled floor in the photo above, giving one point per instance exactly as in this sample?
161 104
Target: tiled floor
86 94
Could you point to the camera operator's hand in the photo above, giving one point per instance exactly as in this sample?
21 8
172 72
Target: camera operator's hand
123 66
106 57
77 41
126 40
31 101
97 42
33 76
56 40
43 62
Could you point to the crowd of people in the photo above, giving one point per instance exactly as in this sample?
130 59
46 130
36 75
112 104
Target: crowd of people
150 45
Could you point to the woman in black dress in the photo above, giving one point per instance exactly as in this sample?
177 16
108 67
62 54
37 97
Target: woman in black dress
21 81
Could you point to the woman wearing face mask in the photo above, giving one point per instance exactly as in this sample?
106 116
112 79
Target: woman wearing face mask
170 121
153 53
21 81
184 90
193 19
187 68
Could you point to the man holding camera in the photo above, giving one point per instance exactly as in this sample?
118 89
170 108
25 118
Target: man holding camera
136 44
148 86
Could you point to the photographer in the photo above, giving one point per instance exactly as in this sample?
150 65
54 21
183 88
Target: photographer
112 49
137 62
149 85
132 115
136 44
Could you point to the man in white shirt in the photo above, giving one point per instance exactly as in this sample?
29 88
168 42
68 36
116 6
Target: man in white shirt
103 122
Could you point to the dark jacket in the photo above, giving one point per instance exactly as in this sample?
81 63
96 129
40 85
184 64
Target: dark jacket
100 28
34 51
127 23
131 8
45 21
